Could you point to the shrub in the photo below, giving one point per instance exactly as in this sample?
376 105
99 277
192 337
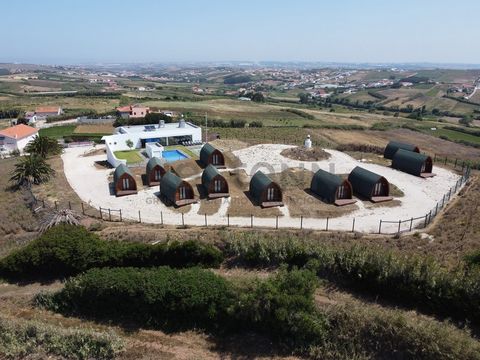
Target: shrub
66 250
409 280
20 339
173 299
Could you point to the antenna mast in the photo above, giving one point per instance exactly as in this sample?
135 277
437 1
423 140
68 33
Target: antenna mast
206 128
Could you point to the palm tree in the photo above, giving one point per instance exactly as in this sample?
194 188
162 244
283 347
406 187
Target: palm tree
55 218
43 146
31 169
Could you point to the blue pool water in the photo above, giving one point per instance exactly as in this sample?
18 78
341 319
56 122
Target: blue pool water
173 155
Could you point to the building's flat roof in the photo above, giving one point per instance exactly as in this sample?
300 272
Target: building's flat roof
154 129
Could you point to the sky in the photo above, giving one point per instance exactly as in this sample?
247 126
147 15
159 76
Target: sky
124 31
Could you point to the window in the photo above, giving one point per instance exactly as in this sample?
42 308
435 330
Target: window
341 192
157 175
270 194
215 160
217 184
378 189
125 183
183 192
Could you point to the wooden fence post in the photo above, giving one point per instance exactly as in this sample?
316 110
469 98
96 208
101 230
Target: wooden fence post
56 206
353 225
301 222
399 225
380 227
70 205
161 217
276 222
228 220
120 215
109 214
83 208
411 223
206 225
139 217
183 220
251 220
43 204
100 209
426 216
326 225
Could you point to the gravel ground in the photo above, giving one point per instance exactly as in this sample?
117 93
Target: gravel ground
421 195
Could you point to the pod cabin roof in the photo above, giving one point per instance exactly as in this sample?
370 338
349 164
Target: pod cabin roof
364 183
169 185
326 185
209 174
206 151
259 183
393 146
154 161
412 163
121 170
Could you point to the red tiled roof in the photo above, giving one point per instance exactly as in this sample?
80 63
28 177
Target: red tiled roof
124 108
19 131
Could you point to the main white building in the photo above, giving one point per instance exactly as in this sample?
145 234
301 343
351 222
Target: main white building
164 134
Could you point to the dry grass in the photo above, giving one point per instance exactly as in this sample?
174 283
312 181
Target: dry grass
303 154
94 129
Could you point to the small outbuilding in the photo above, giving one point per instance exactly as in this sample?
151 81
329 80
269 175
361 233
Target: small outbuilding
393 146
123 181
413 163
210 155
154 171
175 190
264 191
214 183
369 185
332 188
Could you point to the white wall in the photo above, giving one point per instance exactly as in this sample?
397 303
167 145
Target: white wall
14 144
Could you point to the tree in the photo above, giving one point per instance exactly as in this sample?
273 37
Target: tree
258 97
43 146
465 120
304 98
129 143
31 169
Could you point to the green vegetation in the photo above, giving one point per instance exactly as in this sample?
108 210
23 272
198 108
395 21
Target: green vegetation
67 250
43 146
57 132
22 339
300 113
31 169
132 156
454 135
408 280
281 306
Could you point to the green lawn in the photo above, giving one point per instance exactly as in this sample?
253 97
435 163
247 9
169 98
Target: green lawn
132 156
58 132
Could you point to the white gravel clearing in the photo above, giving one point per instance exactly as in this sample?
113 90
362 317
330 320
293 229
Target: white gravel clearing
421 195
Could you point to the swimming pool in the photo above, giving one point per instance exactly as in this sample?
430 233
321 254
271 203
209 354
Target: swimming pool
173 155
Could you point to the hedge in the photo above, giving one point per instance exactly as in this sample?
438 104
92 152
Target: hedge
179 299
405 279
67 250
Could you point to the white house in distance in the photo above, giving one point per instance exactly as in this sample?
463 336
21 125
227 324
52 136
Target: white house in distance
180 133
16 138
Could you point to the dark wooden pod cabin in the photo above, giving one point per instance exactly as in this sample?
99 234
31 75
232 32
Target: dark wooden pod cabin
413 163
123 181
154 171
264 191
372 186
175 190
332 188
214 183
210 155
393 146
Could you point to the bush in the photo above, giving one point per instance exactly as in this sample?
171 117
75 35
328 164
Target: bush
66 250
173 299
20 339
406 279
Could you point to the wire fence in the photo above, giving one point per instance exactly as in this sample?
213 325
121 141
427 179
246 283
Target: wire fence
386 227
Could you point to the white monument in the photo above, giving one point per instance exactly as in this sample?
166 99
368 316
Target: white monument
308 142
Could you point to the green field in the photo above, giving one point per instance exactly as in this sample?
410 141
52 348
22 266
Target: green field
58 132
454 135
132 156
